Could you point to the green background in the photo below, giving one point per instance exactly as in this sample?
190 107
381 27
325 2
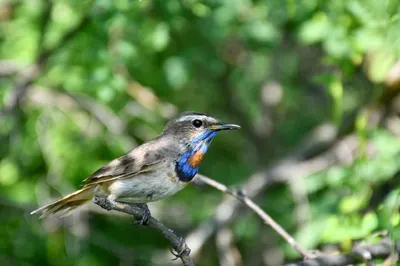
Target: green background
109 75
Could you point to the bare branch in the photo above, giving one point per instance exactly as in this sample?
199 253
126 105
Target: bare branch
177 242
10 67
282 171
360 254
263 215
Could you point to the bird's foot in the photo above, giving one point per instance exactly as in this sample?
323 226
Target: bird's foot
182 249
104 203
146 214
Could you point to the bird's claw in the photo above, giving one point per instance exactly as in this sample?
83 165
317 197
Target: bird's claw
144 221
182 249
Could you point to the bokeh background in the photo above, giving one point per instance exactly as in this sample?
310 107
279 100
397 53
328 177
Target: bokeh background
314 85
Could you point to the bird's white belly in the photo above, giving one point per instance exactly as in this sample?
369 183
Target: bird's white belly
145 187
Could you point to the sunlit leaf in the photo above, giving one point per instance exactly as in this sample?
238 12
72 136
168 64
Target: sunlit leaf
316 29
176 72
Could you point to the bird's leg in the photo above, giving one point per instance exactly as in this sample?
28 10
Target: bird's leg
104 203
146 214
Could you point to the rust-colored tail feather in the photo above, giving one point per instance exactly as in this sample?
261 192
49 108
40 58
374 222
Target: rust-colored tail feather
68 203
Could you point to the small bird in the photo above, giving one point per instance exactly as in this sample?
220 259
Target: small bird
152 171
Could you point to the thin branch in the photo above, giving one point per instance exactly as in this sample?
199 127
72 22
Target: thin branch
285 169
263 215
10 67
361 254
177 242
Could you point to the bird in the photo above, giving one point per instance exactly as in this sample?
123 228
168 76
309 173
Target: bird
155 170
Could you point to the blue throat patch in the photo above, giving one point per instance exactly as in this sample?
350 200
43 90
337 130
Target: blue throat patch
184 169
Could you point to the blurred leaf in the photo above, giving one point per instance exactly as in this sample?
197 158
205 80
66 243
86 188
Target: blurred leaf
9 173
337 44
355 202
333 84
310 235
395 220
176 72
316 29
160 36
246 227
380 63
349 227
369 222
262 32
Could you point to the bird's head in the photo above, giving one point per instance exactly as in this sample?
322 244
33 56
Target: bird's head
194 131
192 128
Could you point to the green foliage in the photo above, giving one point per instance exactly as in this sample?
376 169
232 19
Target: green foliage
278 68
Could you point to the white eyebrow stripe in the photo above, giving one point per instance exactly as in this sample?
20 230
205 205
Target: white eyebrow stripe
191 117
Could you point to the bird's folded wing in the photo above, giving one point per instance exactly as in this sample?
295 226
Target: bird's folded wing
128 165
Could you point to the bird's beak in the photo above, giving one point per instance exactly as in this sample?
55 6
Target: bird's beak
223 126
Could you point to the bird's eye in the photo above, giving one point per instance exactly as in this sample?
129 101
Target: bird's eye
197 123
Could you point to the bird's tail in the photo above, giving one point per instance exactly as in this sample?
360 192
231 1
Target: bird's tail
68 203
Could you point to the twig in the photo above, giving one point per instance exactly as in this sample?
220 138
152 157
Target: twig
363 253
10 67
285 169
177 242
263 215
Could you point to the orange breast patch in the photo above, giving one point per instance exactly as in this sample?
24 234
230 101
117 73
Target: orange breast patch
195 160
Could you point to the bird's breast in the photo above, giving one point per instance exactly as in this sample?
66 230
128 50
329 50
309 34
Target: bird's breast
188 163
147 187
196 159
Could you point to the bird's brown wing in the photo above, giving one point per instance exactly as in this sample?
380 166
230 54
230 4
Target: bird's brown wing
135 162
